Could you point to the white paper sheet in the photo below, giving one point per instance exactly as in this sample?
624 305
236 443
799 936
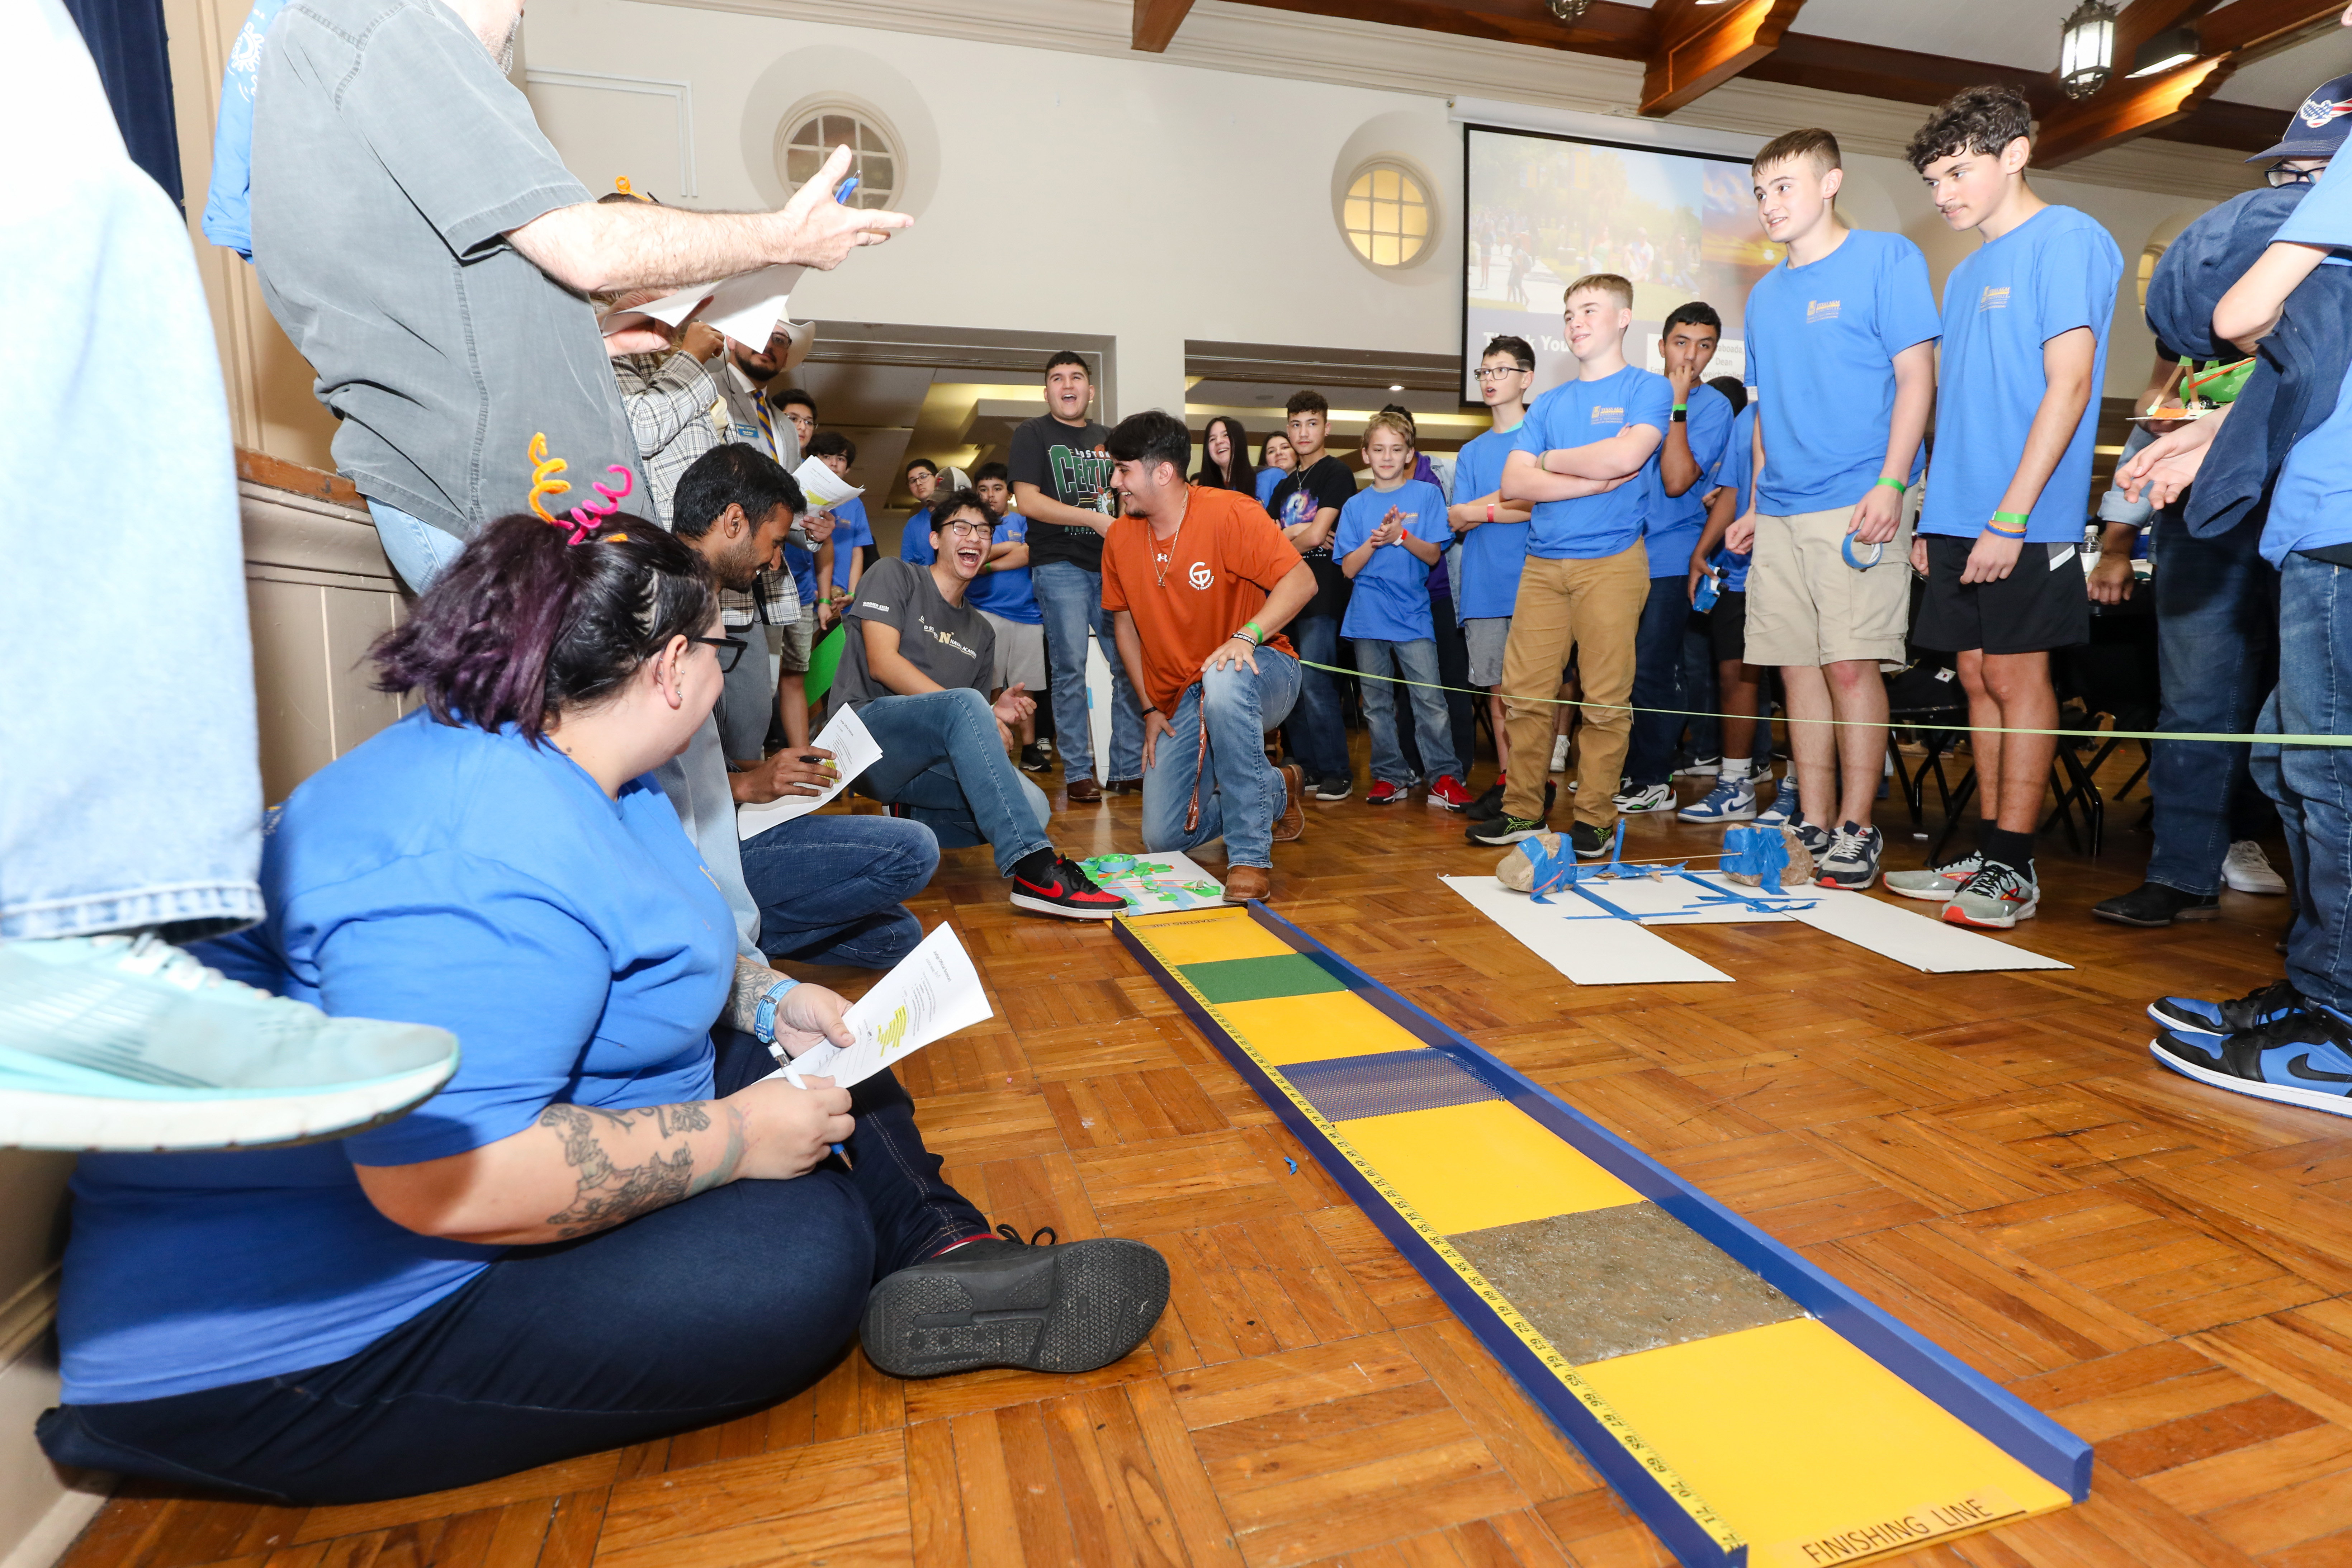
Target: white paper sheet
1589 951
745 307
932 992
1918 939
853 751
824 487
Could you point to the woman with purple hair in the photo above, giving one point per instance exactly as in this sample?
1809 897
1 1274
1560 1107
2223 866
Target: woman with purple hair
607 1226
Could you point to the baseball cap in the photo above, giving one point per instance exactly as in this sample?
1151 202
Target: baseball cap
2319 127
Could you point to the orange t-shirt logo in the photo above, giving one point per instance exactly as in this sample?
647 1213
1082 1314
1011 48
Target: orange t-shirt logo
1202 576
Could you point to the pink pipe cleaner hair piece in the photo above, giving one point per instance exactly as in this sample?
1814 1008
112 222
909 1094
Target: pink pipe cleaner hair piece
588 515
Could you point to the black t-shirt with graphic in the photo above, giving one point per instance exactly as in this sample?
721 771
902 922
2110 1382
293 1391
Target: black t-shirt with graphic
952 644
1328 482
1068 464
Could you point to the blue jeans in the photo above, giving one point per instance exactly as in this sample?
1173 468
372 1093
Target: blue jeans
2313 784
1315 733
1241 793
1069 599
416 548
699 1312
1699 687
830 888
2216 625
1377 659
1658 681
943 759
126 617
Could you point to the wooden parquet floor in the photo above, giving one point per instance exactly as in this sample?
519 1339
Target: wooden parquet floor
1993 1158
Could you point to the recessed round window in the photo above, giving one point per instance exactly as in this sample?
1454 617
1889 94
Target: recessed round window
1386 215
804 141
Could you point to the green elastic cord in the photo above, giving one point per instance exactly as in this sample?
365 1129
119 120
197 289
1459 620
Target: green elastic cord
2345 740
1899 486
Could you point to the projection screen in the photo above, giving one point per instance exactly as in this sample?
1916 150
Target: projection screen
1543 211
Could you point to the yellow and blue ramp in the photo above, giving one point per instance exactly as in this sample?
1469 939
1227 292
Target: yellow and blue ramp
1748 1406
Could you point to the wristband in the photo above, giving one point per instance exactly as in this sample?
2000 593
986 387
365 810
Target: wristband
1490 511
1682 407
1899 486
2000 522
763 1019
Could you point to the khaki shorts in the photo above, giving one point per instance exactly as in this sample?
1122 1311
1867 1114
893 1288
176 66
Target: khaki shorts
1021 654
791 644
1807 608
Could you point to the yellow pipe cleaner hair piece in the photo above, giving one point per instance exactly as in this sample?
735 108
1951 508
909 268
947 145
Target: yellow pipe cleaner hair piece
543 482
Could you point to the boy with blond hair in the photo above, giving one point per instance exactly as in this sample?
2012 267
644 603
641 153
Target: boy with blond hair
1387 539
1587 574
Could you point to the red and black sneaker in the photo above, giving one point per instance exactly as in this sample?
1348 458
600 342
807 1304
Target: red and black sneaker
1069 892
1450 792
1383 794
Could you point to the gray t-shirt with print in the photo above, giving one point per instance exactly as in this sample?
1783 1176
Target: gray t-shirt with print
391 157
952 644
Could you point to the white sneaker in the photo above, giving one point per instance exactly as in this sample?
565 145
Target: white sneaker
1559 754
2246 869
1645 798
1700 768
128 1044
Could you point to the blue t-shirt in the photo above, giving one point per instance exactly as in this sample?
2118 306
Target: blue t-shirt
1735 471
2311 506
2050 274
1390 599
1821 342
1492 553
850 529
437 874
1008 594
915 544
801 563
1577 414
1266 480
1672 530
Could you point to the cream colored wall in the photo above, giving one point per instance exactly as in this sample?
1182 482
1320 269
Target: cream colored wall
1151 201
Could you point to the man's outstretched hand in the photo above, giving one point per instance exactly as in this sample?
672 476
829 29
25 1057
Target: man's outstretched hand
819 232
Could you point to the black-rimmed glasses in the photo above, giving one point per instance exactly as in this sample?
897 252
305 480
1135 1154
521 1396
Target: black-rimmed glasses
2279 174
730 650
1497 371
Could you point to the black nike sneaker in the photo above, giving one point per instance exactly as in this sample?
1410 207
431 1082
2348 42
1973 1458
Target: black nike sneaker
1009 1302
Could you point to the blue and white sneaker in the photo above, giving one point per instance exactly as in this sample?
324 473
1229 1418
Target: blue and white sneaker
2304 1058
128 1044
1785 807
2195 1016
1731 800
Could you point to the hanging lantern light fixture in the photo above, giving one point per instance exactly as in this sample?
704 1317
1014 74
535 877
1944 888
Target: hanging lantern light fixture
1569 11
2087 49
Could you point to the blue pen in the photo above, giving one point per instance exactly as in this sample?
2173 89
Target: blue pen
793 1077
848 187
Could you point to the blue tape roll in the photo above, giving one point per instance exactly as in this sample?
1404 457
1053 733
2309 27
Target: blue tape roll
1877 554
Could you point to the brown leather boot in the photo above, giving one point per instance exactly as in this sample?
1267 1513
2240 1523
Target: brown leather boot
1292 823
1083 792
1245 883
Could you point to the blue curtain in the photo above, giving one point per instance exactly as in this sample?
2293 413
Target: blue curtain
126 39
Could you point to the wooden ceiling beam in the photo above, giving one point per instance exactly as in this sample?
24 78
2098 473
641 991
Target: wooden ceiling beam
1608 28
2125 111
1905 75
2243 127
2126 107
1156 22
1700 48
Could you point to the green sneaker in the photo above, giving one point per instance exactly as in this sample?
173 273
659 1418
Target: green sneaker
1502 830
1938 884
128 1044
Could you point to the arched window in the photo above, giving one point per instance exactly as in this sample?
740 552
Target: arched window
1386 215
805 140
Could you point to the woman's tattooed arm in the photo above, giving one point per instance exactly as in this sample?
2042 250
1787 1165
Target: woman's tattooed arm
628 1162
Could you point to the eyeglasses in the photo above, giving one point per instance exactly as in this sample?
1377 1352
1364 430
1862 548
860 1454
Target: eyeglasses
959 529
2279 174
730 650
1496 373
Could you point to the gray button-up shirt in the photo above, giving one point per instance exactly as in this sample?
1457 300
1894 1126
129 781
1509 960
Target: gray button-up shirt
391 157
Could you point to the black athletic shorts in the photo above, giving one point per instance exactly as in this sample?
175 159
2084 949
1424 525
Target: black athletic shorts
2040 605
1727 625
